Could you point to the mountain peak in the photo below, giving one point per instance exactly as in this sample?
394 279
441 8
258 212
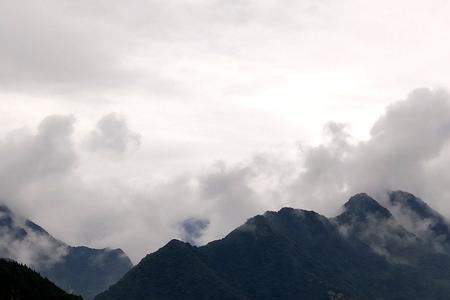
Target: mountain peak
289 214
413 203
293 253
177 243
420 214
361 205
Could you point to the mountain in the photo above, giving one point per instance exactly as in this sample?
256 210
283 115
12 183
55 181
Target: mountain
82 270
419 218
366 220
363 253
18 282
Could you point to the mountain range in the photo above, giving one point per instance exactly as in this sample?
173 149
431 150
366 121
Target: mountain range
396 249
80 270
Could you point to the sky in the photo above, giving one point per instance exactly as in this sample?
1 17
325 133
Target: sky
129 124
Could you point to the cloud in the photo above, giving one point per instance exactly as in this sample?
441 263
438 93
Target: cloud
103 46
22 243
401 153
26 157
52 47
267 67
29 158
192 229
407 149
112 135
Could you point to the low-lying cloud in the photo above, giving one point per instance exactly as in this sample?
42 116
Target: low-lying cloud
407 149
22 243
192 229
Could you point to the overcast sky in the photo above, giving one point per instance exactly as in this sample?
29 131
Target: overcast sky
128 124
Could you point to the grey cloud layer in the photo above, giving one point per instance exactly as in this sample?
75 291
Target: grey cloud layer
103 46
407 149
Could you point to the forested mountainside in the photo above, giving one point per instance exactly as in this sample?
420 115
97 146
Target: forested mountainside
18 282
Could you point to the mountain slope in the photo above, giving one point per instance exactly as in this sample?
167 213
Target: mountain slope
82 270
238 267
176 271
364 219
19 282
419 218
296 254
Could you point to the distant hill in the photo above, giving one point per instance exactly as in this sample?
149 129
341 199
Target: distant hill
82 270
18 282
395 251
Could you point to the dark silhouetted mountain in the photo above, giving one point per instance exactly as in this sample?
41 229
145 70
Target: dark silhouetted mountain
88 271
364 253
84 271
18 282
360 207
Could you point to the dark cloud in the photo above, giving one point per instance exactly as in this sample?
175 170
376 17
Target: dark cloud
192 229
112 135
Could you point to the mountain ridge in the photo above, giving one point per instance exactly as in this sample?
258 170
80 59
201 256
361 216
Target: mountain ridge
294 253
80 269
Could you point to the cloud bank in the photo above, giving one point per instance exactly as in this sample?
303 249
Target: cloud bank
408 149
